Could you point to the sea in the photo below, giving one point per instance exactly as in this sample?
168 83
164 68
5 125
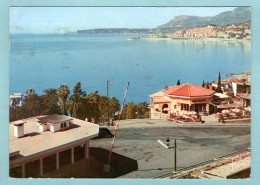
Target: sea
42 61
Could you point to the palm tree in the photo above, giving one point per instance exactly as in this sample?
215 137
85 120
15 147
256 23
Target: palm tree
50 91
74 105
63 93
29 92
114 104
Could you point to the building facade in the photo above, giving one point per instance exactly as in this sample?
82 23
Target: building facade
186 97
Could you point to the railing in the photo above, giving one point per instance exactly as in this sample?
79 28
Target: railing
179 171
159 115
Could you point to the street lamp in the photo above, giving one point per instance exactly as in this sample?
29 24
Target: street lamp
108 83
168 141
167 146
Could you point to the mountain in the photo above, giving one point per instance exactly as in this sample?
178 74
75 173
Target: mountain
116 31
238 15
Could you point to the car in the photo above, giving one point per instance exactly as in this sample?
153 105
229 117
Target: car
104 132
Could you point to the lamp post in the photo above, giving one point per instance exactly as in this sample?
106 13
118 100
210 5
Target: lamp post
108 83
167 146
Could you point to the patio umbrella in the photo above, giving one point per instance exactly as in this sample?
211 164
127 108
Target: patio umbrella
225 111
235 110
248 109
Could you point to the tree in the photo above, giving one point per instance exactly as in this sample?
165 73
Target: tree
142 109
203 84
76 101
50 102
207 85
63 93
114 106
35 105
50 91
32 106
131 111
29 92
218 89
213 88
178 82
91 108
123 113
74 104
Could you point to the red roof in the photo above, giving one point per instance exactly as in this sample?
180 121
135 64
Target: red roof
188 90
227 81
235 80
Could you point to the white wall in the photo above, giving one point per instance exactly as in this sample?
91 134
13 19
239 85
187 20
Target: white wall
19 131
56 127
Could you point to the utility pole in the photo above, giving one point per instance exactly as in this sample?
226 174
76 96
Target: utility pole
107 104
108 83
175 155
167 146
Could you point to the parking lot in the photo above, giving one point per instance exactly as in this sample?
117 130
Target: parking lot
137 139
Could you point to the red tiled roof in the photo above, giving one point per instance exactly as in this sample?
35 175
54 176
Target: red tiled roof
227 81
235 80
188 90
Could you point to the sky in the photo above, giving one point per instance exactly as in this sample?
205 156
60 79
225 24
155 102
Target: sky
40 20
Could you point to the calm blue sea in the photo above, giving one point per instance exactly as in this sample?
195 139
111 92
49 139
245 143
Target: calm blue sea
46 61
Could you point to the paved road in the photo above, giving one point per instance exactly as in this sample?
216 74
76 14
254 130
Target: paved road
194 145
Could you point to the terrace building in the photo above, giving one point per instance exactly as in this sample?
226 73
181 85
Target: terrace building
186 97
40 143
16 100
230 85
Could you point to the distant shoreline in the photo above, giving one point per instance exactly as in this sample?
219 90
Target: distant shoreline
196 39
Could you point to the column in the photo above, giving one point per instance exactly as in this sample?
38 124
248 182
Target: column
57 160
87 149
23 170
207 108
72 155
87 155
41 166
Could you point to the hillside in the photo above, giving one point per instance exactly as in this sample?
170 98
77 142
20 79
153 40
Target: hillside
238 31
116 31
238 15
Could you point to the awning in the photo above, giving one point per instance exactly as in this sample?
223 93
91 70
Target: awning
220 95
228 106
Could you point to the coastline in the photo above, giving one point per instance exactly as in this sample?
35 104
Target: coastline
207 39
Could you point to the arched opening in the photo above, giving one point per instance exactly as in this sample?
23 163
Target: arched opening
165 108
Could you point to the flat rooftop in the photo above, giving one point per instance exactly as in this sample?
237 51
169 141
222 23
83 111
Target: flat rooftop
35 141
55 118
16 95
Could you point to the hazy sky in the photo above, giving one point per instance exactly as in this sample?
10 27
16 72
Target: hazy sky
61 19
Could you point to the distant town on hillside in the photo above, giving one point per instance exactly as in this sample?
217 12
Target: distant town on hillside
228 25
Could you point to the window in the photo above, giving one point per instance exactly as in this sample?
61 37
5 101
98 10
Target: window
65 124
185 107
61 125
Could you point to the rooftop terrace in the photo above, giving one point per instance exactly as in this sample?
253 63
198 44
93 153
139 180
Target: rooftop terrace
34 142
